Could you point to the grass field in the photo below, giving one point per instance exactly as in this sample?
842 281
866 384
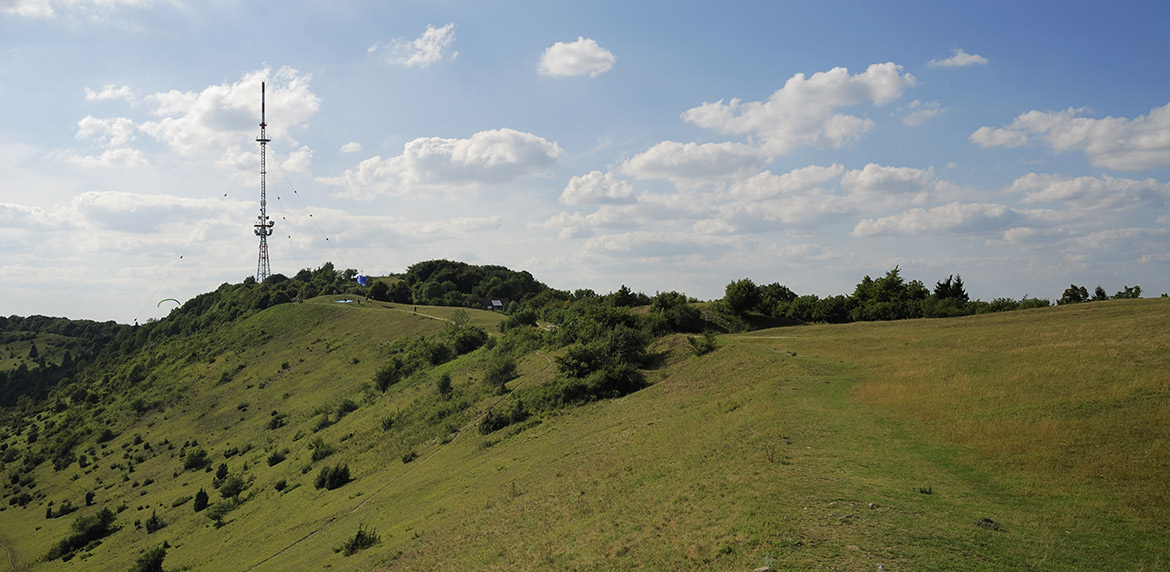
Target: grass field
1041 437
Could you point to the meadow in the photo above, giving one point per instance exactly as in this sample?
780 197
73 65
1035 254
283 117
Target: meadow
1030 440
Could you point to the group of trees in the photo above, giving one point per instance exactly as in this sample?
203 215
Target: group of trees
1076 294
889 297
451 283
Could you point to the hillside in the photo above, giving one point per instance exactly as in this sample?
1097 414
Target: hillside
1026 440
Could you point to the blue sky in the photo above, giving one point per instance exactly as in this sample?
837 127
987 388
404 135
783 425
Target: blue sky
661 145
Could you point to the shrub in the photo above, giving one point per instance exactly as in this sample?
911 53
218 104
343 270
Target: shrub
333 477
704 345
444 385
276 457
195 459
201 500
152 560
86 529
154 522
320 449
361 540
499 371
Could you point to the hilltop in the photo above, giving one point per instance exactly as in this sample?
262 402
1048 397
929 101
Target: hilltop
362 434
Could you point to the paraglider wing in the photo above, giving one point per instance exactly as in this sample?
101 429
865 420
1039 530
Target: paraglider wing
362 280
160 302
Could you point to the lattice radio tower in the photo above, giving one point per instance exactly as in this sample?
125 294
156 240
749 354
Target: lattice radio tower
263 225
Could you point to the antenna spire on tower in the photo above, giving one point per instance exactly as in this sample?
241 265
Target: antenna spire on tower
263 226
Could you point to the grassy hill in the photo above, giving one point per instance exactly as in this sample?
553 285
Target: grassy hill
1030 440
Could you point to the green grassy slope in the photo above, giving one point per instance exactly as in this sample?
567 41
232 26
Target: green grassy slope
804 448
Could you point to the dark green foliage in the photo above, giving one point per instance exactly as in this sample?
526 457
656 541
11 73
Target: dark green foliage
499 418
1074 295
742 296
705 344
498 371
221 473
1129 293
450 283
675 309
380 291
152 560
154 523
321 450
389 374
1099 294
233 486
346 407
277 456
195 458
443 385
888 298
951 289
361 540
86 529
332 477
519 318
201 500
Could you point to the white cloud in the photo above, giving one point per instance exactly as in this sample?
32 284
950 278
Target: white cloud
111 132
578 58
642 245
693 162
1112 142
992 137
351 147
487 157
920 112
298 161
959 59
597 188
431 47
975 218
803 112
767 185
1092 193
137 212
115 157
110 92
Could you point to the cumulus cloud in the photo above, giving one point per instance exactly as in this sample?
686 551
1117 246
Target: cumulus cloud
993 137
108 92
959 59
919 113
693 162
1113 142
767 185
116 157
298 161
136 212
883 186
211 119
583 57
656 245
597 188
351 147
1092 193
487 157
113 131
953 218
434 45
804 111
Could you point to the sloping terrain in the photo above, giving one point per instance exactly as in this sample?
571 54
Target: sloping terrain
1031 440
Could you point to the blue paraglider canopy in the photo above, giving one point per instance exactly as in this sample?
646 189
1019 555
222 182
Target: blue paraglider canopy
362 279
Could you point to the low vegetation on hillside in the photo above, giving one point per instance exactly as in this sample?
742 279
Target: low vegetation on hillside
618 430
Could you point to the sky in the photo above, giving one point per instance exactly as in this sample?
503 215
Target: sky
660 145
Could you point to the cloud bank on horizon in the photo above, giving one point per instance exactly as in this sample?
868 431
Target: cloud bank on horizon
589 151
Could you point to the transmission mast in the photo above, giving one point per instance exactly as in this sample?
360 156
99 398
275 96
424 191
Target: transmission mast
263 225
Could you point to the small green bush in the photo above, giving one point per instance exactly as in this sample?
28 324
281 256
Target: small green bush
333 477
361 540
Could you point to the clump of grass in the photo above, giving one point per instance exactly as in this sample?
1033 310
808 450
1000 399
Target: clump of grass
361 540
988 524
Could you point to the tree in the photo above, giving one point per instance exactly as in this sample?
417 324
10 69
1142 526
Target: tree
444 385
152 560
1074 295
1129 293
1099 294
201 500
380 291
742 296
951 289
